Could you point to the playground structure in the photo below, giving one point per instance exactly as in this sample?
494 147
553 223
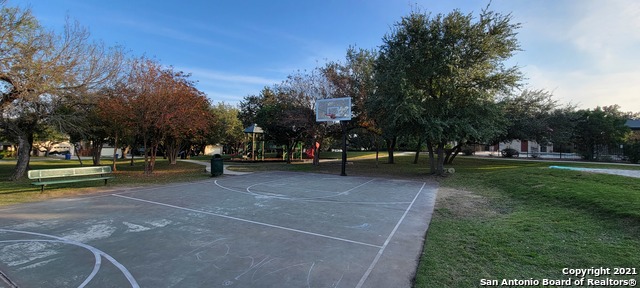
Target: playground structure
255 147
253 135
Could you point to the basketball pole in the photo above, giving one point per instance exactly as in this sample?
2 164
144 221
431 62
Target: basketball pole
344 148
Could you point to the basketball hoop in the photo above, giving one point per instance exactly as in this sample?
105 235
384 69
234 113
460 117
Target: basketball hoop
336 110
333 109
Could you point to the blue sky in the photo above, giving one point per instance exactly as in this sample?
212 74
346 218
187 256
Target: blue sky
584 51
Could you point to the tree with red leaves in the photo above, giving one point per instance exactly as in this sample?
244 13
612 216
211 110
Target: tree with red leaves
164 107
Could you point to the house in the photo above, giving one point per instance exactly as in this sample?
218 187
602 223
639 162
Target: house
633 124
7 148
525 147
213 149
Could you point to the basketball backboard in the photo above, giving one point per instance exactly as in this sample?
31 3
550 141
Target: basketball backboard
333 109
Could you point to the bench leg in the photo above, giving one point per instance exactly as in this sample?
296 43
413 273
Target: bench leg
105 182
41 188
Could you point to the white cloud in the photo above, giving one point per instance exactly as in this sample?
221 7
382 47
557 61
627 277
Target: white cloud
588 90
222 86
585 52
229 78
608 31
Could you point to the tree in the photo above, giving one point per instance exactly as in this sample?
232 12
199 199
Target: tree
285 118
287 111
352 78
250 106
632 147
163 106
46 138
188 116
446 67
391 107
112 111
41 72
562 124
599 129
227 129
529 116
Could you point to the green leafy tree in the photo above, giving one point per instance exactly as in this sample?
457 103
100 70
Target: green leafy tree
286 118
351 78
562 125
599 129
446 67
391 106
47 138
250 106
529 116
227 129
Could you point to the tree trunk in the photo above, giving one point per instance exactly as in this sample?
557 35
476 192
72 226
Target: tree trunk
96 151
134 148
451 154
456 151
145 154
289 151
432 159
415 159
125 150
172 149
375 138
391 146
440 166
75 149
151 164
115 150
24 151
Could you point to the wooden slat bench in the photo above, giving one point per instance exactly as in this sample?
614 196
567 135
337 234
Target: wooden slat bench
69 175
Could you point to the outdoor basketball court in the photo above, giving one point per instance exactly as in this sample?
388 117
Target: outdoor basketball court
274 229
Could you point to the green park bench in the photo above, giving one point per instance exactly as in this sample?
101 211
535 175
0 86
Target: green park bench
69 175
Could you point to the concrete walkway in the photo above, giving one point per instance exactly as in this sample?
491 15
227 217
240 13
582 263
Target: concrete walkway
621 172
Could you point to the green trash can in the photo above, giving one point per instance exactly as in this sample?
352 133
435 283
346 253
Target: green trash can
217 167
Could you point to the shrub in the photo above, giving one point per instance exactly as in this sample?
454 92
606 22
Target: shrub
467 150
632 151
510 152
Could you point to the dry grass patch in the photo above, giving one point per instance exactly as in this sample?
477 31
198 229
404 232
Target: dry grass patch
460 203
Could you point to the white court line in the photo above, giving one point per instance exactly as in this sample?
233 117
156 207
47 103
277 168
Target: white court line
249 221
375 260
96 265
310 199
95 251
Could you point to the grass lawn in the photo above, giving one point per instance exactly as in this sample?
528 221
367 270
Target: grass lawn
14 192
494 219
520 220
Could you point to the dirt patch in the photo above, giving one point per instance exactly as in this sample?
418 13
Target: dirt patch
463 204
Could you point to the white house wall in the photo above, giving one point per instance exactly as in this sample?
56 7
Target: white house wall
533 146
212 149
108 152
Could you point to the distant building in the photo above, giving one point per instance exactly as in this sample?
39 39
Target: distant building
213 149
634 125
523 147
